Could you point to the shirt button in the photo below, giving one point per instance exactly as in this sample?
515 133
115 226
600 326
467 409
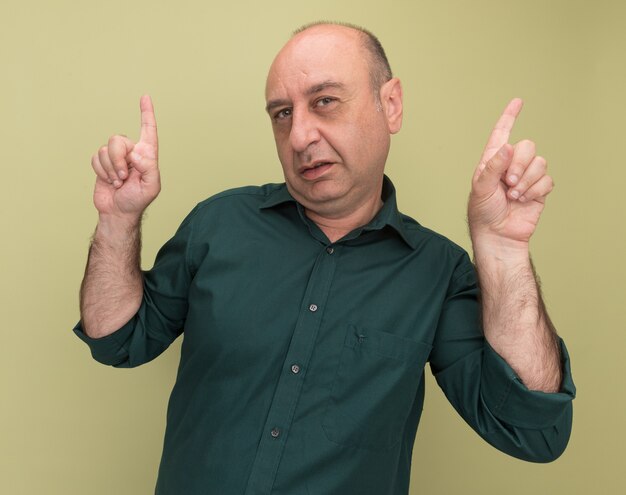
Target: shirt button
330 250
295 369
313 308
275 432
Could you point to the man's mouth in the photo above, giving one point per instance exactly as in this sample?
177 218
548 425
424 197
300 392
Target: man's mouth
315 170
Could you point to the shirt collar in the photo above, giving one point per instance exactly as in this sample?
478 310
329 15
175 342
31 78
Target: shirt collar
387 216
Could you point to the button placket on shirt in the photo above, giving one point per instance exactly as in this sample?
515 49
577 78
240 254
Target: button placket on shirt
282 408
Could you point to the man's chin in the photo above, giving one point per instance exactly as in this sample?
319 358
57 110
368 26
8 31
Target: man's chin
319 191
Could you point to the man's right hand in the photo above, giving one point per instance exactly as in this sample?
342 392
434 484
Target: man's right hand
128 177
128 180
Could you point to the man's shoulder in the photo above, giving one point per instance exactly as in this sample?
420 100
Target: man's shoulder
232 204
424 237
243 194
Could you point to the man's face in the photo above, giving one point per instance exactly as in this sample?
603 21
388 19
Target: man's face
331 132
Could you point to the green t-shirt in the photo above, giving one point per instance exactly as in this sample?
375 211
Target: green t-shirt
302 365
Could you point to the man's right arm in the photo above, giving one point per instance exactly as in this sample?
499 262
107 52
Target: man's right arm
112 287
127 182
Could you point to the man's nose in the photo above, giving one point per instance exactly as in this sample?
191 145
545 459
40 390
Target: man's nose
304 130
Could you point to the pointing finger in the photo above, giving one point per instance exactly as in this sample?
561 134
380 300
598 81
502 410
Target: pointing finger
502 130
148 122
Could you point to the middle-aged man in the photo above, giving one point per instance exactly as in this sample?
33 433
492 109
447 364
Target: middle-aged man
310 308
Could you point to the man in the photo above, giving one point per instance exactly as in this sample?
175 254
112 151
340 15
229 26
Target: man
310 308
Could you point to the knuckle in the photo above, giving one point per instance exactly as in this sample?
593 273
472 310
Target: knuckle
490 167
103 156
526 146
541 162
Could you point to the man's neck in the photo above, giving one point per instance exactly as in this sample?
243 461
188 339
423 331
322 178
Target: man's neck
336 228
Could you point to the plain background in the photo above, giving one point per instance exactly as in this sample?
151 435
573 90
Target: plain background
72 74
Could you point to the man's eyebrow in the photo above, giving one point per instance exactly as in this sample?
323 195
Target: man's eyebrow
275 103
317 88
325 85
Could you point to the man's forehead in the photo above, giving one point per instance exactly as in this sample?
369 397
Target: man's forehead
318 54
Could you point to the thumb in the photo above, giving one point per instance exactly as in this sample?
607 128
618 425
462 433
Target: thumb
146 168
488 175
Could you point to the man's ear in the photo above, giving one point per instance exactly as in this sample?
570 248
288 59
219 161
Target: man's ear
391 100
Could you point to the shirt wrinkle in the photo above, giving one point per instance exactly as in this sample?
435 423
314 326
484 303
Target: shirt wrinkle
261 296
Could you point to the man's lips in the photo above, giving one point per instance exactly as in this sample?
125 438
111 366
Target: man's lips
315 170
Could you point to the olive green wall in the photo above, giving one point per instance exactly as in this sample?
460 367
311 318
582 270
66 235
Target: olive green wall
71 75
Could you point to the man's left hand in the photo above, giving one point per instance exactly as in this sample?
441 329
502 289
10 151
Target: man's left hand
509 188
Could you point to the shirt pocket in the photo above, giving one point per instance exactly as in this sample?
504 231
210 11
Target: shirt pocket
374 388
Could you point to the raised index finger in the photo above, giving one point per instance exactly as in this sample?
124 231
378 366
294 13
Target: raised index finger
502 130
148 122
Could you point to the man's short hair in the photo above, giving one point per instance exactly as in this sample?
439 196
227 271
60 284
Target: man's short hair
380 70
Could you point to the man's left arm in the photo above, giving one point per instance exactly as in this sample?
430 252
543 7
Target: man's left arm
509 189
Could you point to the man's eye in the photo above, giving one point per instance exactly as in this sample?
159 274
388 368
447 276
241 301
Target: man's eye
282 114
322 102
